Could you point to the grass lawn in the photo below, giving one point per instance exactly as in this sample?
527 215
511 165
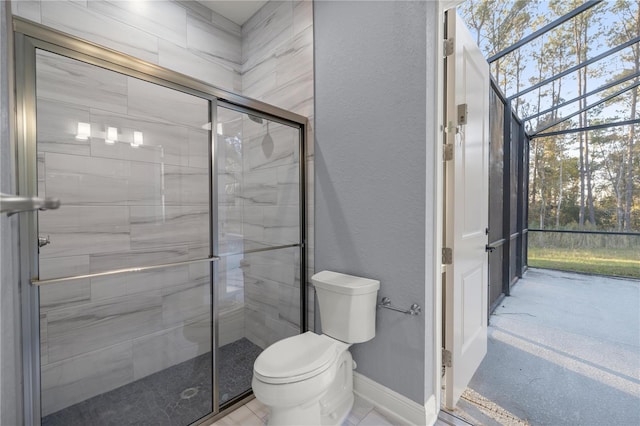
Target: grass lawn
615 262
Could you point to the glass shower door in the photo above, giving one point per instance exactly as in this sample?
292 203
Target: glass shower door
125 272
259 241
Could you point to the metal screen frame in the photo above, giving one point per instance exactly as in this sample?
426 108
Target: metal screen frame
521 142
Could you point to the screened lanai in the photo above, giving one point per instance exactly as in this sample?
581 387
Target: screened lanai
564 166
564 214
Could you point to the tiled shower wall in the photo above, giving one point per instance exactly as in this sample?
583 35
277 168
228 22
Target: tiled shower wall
183 36
270 58
259 208
123 206
277 68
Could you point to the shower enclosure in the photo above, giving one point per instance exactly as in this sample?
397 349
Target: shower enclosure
177 254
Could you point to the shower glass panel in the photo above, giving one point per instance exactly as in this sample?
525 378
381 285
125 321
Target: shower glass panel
258 275
258 182
130 160
137 351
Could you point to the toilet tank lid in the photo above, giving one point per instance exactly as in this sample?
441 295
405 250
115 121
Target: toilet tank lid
343 283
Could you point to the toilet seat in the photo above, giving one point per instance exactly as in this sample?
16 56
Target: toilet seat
297 358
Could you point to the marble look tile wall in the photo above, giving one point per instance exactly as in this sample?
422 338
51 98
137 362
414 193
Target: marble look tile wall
72 380
259 175
183 36
272 295
139 322
270 187
230 176
277 55
118 198
123 206
277 68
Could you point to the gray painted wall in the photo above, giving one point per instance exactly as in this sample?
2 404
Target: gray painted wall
375 79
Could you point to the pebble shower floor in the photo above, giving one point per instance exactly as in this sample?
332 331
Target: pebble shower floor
176 396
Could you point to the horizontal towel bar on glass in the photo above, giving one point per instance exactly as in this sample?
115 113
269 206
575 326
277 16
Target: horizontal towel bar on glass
38 282
12 204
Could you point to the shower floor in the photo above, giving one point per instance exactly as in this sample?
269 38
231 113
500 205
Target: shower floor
179 395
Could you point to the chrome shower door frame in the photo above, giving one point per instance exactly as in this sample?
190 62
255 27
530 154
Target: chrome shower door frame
30 36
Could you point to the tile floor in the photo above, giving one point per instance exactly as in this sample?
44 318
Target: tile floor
255 414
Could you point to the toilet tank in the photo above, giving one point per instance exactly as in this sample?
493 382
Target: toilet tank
347 306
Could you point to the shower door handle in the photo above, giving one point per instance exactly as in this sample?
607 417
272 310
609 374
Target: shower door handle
12 204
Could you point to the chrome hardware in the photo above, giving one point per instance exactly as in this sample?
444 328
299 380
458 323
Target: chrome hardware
414 309
38 282
12 204
42 241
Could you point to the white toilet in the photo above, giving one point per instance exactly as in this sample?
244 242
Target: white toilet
308 379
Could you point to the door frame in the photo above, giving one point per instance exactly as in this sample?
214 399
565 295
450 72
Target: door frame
439 136
29 36
440 215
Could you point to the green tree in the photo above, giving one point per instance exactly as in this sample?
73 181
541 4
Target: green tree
586 179
497 25
626 28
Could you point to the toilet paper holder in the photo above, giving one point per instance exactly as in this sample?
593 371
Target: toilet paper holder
414 309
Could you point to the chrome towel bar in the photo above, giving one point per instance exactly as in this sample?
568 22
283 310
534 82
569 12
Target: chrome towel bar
414 309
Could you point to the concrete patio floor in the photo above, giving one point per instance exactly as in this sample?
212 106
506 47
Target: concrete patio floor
563 349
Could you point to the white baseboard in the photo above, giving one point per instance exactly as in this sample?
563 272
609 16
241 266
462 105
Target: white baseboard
396 407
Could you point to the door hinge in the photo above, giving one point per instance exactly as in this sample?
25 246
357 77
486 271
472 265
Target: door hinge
447 256
447 153
446 358
462 114
449 47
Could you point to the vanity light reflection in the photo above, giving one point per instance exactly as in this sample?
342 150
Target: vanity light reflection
137 139
84 131
112 135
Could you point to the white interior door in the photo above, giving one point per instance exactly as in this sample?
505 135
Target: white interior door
466 209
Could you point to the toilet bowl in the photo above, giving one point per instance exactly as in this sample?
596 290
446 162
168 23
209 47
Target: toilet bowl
308 379
296 375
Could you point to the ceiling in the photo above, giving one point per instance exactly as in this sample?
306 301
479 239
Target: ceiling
238 11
